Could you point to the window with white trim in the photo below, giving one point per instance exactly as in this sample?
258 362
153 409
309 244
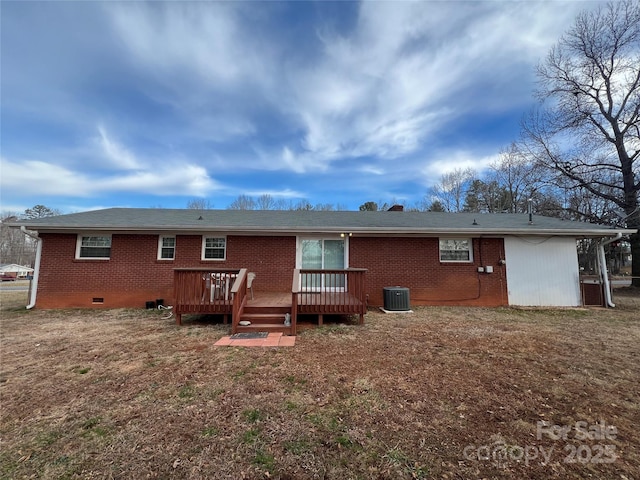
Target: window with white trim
214 248
166 247
93 247
456 250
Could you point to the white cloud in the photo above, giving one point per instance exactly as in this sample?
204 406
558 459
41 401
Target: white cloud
175 36
118 155
166 179
371 169
405 71
43 178
286 193
410 69
169 178
372 94
448 161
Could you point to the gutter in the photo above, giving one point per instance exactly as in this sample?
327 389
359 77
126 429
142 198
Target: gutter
36 267
603 268
356 230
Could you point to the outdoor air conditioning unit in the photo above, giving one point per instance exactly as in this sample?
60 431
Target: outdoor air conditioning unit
396 298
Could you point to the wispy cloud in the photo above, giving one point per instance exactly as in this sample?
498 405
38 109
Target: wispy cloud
50 179
286 193
115 153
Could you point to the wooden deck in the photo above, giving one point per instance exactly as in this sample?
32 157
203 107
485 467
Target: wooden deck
329 292
270 300
314 292
307 300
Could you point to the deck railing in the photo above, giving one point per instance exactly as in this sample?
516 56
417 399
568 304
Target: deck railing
331 292
239 295
203 290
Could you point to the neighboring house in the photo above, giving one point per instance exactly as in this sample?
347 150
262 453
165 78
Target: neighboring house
123 257
16 271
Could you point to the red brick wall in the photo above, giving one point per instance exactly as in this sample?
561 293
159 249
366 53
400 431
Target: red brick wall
415 263
133 275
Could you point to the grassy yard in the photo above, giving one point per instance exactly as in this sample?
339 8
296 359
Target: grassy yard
446 393
11 299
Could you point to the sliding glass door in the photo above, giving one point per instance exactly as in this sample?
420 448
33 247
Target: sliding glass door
322 254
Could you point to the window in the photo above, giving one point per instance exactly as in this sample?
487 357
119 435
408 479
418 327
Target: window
166 248
456 250
94 246
214 248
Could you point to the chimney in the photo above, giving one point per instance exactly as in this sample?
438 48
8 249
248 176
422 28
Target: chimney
396 208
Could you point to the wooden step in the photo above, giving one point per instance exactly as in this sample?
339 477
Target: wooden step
264 318
281 310
264 327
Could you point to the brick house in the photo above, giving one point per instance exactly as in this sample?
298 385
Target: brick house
123 257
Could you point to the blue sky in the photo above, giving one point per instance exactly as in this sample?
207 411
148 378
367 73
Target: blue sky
153 104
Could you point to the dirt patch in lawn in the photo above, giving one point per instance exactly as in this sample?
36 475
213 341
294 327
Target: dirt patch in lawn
442 393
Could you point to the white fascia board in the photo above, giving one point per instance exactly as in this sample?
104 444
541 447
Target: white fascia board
377 231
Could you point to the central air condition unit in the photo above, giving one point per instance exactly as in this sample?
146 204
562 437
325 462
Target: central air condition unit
396 298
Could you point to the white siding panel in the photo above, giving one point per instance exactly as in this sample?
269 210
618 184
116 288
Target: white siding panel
542 271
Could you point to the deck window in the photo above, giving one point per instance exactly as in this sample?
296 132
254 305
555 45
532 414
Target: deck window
214 248
456 250
166 248
93 247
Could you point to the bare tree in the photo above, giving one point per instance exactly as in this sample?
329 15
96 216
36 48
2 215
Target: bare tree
452 188
588 129
518 176
303 205
243 202
15 246
266 202
199 204
324 207
284 204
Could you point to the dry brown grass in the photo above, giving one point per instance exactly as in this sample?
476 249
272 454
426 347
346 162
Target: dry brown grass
124 394
9 299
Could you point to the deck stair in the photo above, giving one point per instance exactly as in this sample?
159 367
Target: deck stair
265 319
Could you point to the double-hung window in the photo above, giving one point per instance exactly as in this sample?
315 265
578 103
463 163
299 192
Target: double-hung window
214 247
166 247
93 247
456 250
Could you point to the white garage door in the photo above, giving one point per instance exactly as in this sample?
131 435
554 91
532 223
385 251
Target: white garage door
542 271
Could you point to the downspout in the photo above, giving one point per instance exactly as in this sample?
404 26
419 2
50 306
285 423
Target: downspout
36 267
603 268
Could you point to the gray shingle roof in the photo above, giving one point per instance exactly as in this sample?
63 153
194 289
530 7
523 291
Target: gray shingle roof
281 221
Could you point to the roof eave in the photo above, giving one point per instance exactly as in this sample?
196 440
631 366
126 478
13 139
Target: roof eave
587 232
